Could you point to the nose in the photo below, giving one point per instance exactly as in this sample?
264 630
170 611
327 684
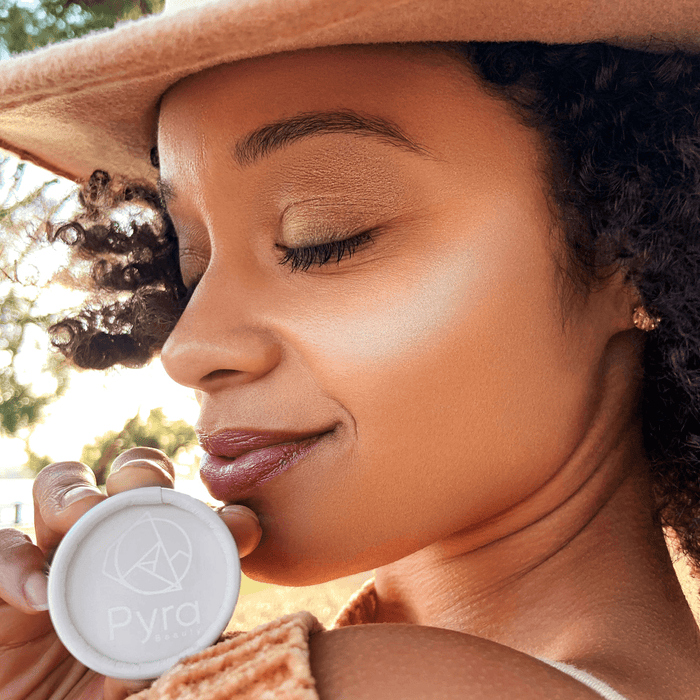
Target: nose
221 337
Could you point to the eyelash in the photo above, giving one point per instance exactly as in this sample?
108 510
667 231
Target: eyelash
303 258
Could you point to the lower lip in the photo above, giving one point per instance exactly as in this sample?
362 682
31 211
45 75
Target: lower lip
231 479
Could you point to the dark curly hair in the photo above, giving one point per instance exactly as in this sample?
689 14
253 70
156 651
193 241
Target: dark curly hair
142 260
621 132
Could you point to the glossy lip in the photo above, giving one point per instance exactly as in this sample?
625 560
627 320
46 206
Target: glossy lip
233 443
237 462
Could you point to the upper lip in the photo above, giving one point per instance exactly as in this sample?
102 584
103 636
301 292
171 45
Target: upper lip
231 443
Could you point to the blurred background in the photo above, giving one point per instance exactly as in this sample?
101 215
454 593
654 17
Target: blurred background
52 412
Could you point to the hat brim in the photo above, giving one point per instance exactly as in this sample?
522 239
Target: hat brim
91 103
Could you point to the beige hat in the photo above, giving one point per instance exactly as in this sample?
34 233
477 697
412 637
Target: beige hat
91 103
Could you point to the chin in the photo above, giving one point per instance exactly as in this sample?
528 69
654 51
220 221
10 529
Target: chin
275 569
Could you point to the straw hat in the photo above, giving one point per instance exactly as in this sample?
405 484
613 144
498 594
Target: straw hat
92 103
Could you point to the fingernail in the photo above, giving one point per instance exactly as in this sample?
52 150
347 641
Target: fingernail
140 463
36 591
239 510
77 493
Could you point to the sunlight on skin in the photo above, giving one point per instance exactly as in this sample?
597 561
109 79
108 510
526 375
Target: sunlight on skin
479 443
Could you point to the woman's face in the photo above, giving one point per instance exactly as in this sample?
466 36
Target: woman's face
437 349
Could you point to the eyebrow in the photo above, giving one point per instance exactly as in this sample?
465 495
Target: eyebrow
266 139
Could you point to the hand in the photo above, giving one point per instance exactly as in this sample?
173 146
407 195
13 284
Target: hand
33 662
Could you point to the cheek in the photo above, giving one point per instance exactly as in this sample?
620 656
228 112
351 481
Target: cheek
460 391
457 374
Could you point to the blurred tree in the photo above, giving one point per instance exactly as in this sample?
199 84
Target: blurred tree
22 407
21 403
156 431
27 27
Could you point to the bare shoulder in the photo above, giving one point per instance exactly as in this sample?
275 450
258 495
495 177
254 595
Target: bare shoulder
389 661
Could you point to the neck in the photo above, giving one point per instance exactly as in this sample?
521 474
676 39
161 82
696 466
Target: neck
582 548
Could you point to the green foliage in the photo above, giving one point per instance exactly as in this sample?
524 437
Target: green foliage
35 463
25 28
20 404
21 407
156 431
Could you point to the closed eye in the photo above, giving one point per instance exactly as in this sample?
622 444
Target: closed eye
303 258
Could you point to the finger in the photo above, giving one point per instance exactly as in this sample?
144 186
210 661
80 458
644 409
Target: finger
149 454
23 583
139 467
63 492
245 527
119 689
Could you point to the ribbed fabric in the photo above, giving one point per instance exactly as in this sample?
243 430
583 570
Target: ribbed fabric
360 608
271 662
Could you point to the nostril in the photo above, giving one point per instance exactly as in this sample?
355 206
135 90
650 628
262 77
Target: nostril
220 374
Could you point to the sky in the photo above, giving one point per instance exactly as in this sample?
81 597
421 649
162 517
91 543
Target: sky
96 401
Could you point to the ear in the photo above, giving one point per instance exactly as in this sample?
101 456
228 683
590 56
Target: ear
617 301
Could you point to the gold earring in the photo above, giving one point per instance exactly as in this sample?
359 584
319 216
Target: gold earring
643 320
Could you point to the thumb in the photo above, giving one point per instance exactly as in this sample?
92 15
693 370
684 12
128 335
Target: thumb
244 525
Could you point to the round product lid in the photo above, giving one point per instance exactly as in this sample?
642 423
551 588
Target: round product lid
142 580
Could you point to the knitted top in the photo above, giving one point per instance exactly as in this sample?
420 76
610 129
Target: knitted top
271 662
